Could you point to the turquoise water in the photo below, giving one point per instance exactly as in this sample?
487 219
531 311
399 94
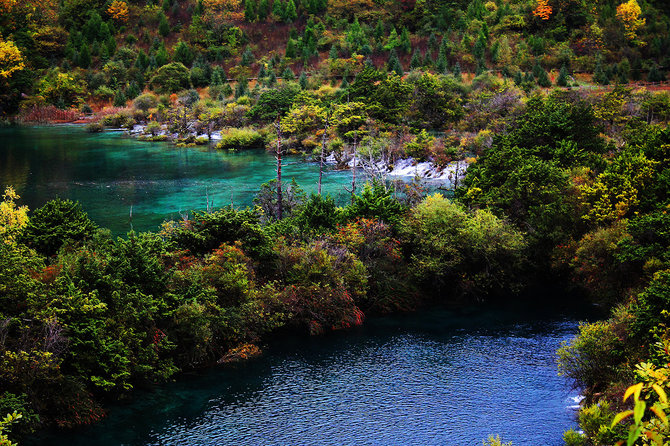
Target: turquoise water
432 378
110 172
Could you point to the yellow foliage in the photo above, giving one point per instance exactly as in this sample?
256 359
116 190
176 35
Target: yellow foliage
12 217
7 5
543 10
118 10
217 10
11 59
629 15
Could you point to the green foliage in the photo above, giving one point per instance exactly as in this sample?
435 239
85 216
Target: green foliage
240 138
274 103
56 223
473 253
183 54
593 357
171 78
318 213
375 202
267 200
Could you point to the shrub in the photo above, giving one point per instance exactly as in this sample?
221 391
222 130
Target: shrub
145 102
56 223
242 138
592 358
171 78
94 127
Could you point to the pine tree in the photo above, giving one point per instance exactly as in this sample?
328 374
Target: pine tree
518 78
161 56
655 75
303 80
442 65
163 25
218 76
290 49
599 75
278 9
415 62
543 79
432 42
563 80
379 31
405 43
261 72
250 11
242 87
288 74
332 54
247 57
272 79
142 61
111 46
457 70
84 56
119 98
393 65
183 53
263 10
290 13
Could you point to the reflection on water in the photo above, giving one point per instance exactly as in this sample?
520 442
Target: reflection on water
109 172
438 377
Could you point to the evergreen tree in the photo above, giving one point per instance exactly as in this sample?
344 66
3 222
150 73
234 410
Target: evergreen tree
250 11
393 65
183 53
272 79
163 25
261 72
543 79
655 75
290 13
84 56
479 47
624 71
277 9
457 70
345 84
161 56
290 49
379 31
218 76
242 87
428 60
111 46
303 80
599 75
563 80
432 42
119 98
415 62
405 43
332 54
442 65
288 74
132 91
518 78
247 57
263 10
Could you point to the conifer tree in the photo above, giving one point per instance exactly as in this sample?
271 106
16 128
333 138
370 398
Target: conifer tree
163 25
84 56
278 9
562 80
288 74
415 62
290 13
303 80
263 10
250 11
393 65
332 54
405 43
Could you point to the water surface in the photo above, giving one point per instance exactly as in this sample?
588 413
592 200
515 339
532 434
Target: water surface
432 378
110 172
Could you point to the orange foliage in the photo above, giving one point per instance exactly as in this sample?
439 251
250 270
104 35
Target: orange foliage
118 10
629 14
543 10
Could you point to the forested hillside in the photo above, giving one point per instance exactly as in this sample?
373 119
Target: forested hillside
89 51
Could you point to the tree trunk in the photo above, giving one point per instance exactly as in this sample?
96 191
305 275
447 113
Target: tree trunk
280 204
323 149
353 171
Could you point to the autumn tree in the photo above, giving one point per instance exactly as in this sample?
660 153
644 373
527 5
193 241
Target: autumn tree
629 15
118 10
11 59
543 10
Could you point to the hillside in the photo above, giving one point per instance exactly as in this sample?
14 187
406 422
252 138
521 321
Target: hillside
90 51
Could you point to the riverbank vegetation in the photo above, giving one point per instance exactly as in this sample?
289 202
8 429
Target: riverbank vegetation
573 192
565 187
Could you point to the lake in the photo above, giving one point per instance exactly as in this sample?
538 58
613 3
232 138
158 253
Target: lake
110 172
434 377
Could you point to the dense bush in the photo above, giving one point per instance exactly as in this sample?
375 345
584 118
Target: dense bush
240 138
